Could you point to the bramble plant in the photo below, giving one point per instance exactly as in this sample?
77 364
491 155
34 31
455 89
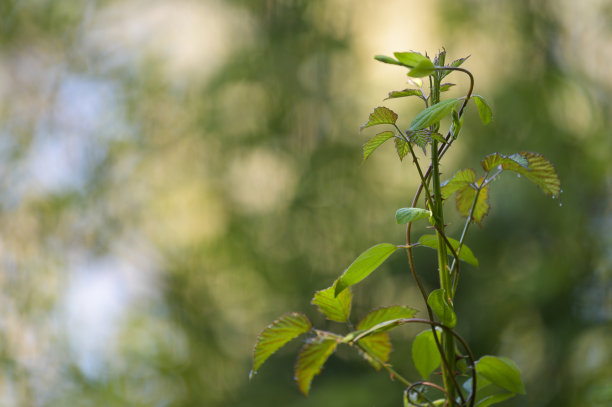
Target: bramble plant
438 348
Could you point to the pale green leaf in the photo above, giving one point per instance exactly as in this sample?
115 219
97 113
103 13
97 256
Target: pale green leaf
422 69
403 93
377 349
438 137
538 169
502 372
494 399
433 114
310 361
465 199
401 147
386 60
446 86
425 354
334 308
380 115
411 59
365 264
460 180
466 254
484 111
373 143
384 314
439 304
405 215
277 334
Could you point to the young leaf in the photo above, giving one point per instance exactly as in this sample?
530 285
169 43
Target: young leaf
310 361
465 199
377 349
465 255
373 143
440 306
484 111
446 86
387 60
380 115
334 308
501 372
460 180
403 93
380 315
363 265
438 137
401 147
494 399
277 334
425 354
411 59
405 215
421 138
456 63
433 114
422 69
538 169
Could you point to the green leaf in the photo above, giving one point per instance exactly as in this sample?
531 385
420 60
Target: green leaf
385 314
363 265
425 354
465 255
422 69
502 372
446 86
381 115
460 180
484 111
334 308
403 93
277 334
465 199
438 137
456 63
386 60
494 399
537 169
401 147
373 143
310 361
433 114
411 59
405 215
438 302
377 349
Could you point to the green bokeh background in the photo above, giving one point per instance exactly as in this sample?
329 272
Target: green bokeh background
177 174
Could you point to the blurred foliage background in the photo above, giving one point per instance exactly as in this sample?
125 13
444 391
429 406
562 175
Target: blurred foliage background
176 174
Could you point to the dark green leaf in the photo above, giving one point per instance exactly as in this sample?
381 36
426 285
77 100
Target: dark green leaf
373 143
425 354
446 86
466 254
380 315
277 334
310 361
405 215
403 93
538 169
494 399
386 59
501 372
411 59
334 308
377 349
484 111
366 263
439 304
401 147
381 115
433 114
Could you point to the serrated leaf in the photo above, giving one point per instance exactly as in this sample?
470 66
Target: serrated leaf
381 115
438 137
401 147
373 143
310 361
336 309
405 215
494 399
538 169
377 349
461 179
277 334
385 314
425 354
403 93
466 254
484 111
439 304
363 265
421 138
422 69
502 372
433 114
465 199
386 59
410 59
446 86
